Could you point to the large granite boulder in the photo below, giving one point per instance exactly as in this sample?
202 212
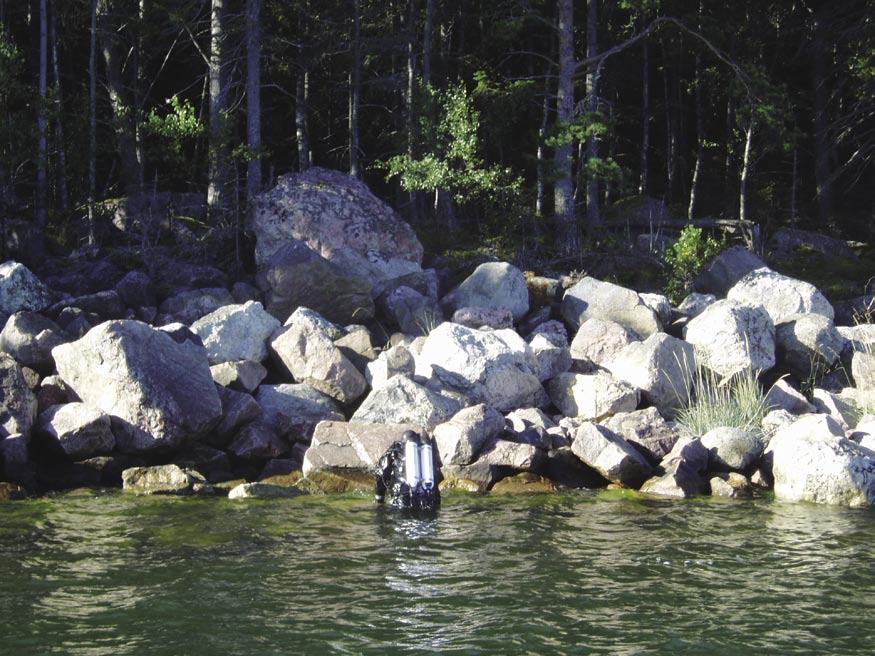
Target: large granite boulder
21 290
610 455
661 366
257 441
725 270
497 368
310 357
158 391
730 338
135 289
599 340
782 297
812 460
403 401
808 344
162 479
29 338
591 396
78 429
296 276
241 375
550 348
414 313
236 332
591 298
460 439
782 396
732 449
681 474
189 305
646 430
338 217
18 405
294 410
492 285
393 361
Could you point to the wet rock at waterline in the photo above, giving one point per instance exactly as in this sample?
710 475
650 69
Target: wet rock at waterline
163 479
159 392
732 449
646 430
681 473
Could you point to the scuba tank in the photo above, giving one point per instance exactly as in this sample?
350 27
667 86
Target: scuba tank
412 464
426 466
407 473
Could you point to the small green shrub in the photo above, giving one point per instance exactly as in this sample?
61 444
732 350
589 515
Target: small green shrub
737 401
686 257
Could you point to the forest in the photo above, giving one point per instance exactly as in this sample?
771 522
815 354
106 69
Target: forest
533 124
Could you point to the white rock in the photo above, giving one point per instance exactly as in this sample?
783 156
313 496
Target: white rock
599 340
236 332
460 439
781 296
591 298
80 430
591 396
610 455
492 285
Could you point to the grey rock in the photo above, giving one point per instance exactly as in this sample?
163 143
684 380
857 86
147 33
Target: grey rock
243 292
732 449
238 409
505 454
774 421
15 459
808 343
781 296
660 305
863 369
842 407
782 396
531 426
29 338
725 270
212 463
591 396
257 440
681 473
241 375
474 317
460 439
293 411
52 391
304 316
493 286
646 430
187 306
357 346
730 338
610 455
391 362
551 351
414 313
20 289
236 332
18 405
786 241
731 485
598 341
80 430
162 479
136 290
402 401
158 391
263 491
694 304
591 298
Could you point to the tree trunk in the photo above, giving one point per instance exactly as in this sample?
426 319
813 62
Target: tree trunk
41 124
355 85
411 73
541 193
563 199
728 158
822 140
92 124
700 141
794 187
63 194
139 101
217 176
253 98
646 118
746 172
427 37
302 120
670 137
122 109
593 212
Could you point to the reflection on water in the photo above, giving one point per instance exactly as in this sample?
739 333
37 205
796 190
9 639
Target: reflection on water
564 574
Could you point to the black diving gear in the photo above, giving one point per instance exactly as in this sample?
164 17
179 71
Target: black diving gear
407 473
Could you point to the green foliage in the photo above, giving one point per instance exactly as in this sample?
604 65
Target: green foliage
686 257
17 133
451 156
173 133
737 402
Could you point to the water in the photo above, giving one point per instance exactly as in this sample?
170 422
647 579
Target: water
575 573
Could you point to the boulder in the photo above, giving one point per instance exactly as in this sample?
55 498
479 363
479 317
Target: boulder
391 362
543 291
598 341
106 305
492 286
497 368
661 366
610 455
591 396
21 290
725 270
16 460
786 241
730 338
782 396
263 491
29 338
136 290
523 483
808 344
413 312
310 357
257 440
551 351
781 296
189 305
531 426
162 479
238 409
566 470
843 406
243 292
51 391
506 455
296 276
304 316
240 375
813 461
645 430
158 391
18 405
293 411
594 299
732 449
681 473
357 346
78 429
338 217
212 463
660 305
774 421
694 304
236 332
402 401
460 439
477 317
350 451
863 369
731 485
170 272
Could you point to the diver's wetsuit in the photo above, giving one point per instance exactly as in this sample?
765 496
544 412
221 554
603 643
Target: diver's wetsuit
392 477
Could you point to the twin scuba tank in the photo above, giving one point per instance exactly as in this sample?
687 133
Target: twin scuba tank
418 467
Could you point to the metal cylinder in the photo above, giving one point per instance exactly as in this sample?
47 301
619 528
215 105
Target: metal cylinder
412 464
426 466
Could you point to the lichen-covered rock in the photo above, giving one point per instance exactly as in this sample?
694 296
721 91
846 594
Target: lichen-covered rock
402 401
591 298
294 410
610 455
863 370
189 305
661 366
162 479
681 473
813 461
646 430
781 296
158 391
782 396
240 375
598 340
311 357
504 454
725 270
732 449
660 305
730 338
18 405
338 217
808 343
478 317
307 317
494 286
21 290
497 368
591 396
236 332
414 313
29 338
550 348
391 362
460 439
80 430
694 304
843 406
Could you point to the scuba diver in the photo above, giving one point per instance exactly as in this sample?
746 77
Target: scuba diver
407 472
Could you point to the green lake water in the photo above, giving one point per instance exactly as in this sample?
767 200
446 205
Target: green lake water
574 573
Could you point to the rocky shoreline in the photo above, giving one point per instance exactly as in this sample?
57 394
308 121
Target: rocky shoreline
187 383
